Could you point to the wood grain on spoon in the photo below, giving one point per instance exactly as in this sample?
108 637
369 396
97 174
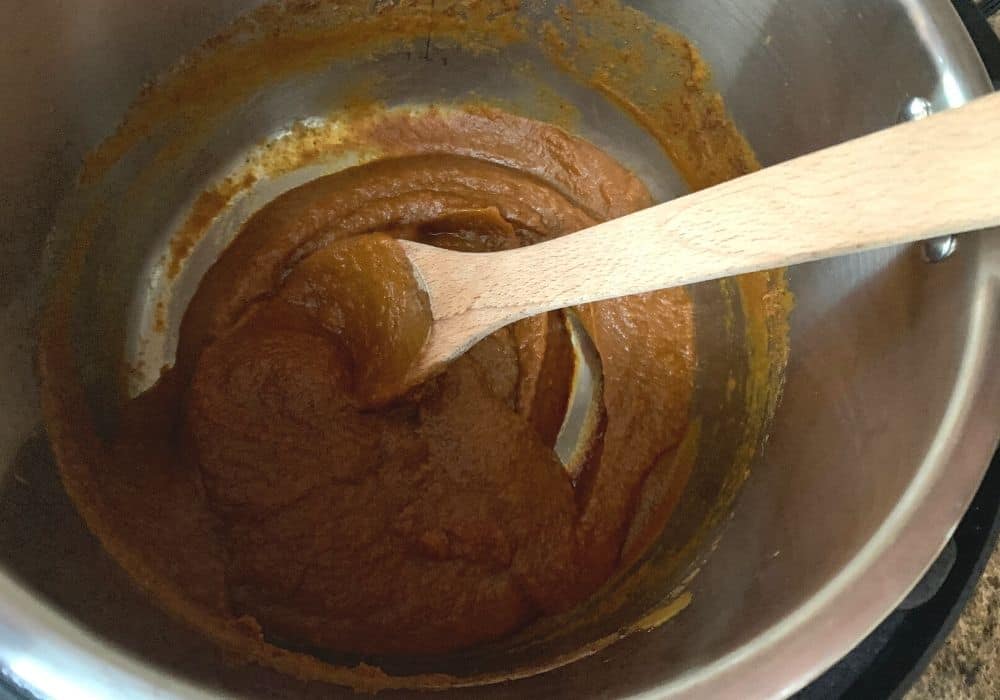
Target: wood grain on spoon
907 183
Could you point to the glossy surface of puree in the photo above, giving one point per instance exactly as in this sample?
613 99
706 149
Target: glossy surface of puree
352 518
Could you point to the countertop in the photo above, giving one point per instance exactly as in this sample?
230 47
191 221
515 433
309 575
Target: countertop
968 664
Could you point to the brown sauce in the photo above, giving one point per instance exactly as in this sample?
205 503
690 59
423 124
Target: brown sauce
356 519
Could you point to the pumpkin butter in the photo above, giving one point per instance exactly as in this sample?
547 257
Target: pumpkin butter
359 516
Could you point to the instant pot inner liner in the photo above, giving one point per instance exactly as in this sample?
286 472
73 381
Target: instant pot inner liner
825 483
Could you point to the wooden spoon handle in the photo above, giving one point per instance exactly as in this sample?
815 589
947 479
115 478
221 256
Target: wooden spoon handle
910 182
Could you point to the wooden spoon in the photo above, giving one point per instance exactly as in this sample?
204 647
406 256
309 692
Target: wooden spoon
914 181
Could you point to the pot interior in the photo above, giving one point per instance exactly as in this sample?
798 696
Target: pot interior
845 444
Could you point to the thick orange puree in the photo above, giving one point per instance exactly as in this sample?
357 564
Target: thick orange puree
362 292
356 515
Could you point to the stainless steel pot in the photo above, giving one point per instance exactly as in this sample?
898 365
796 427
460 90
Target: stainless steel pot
889 416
